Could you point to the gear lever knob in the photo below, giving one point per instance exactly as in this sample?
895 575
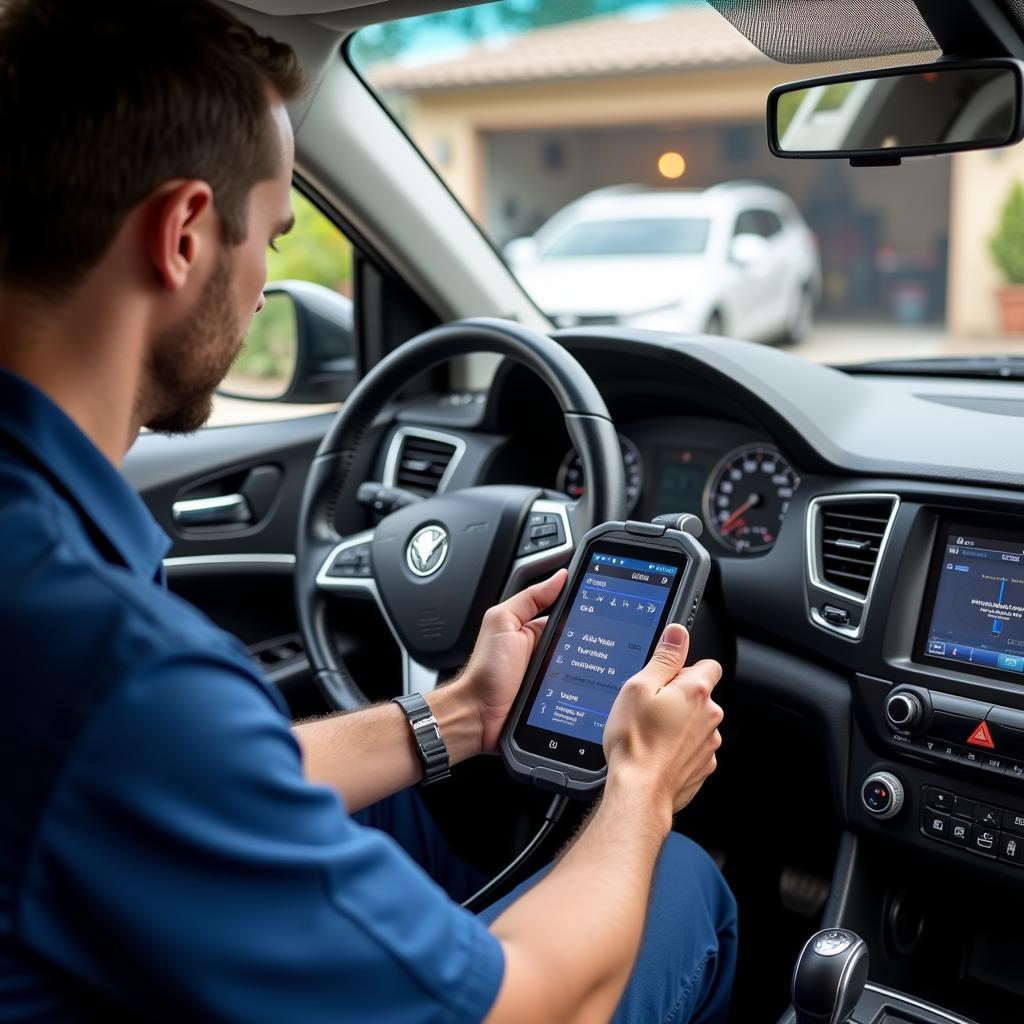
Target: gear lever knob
829 977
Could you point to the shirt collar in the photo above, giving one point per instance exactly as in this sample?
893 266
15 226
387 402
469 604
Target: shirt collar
94 486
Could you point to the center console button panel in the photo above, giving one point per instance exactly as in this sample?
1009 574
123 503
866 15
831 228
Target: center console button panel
1006 727
988 831
976 735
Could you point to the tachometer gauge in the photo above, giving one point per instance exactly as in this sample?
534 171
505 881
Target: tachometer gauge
570 473
748 496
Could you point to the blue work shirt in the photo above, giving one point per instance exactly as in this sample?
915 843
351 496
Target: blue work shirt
161 854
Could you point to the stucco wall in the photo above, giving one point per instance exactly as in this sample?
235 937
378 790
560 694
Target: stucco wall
981 182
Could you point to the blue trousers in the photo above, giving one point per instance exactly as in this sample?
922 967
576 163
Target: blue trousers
687 960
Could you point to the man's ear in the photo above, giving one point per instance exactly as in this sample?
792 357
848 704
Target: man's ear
180 226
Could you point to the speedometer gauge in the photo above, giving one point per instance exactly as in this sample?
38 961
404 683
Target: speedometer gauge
570 473
748 496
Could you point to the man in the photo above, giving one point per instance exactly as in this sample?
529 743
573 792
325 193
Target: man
169 848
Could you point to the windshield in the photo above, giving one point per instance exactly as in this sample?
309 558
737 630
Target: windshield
573 131
646 237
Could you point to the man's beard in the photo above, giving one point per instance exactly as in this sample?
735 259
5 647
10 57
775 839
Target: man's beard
188 361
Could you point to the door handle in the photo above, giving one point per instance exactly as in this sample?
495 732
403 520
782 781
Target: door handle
222 510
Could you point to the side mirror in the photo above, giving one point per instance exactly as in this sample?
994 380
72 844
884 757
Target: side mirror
879 117
748 250
520 251
299 348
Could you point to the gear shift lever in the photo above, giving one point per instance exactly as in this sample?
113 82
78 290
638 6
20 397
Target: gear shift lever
829 977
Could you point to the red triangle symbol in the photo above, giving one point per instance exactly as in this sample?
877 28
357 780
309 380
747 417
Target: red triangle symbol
981 737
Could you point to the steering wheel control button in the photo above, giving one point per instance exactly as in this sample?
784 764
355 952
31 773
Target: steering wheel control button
543 530
882 795
351 563
833 943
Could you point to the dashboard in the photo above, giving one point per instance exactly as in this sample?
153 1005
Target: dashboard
868 544
739 483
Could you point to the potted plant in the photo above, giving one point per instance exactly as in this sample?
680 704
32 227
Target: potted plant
1007 247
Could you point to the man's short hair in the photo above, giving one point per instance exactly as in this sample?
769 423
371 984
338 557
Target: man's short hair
102 101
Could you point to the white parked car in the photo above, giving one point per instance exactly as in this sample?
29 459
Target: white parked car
734 259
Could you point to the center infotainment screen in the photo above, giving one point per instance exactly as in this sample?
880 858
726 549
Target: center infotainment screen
974 616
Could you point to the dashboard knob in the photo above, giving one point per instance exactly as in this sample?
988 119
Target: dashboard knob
903 711
882 795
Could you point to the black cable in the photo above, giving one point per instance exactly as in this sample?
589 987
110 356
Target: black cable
551 818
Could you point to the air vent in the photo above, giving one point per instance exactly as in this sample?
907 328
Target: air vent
422 461
852 532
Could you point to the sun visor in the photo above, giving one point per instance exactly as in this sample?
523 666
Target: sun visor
842 29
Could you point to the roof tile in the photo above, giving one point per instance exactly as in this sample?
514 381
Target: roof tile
683 38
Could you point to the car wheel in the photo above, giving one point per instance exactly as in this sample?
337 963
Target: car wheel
801 318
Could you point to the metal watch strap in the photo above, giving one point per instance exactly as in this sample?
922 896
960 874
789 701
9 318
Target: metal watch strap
429 744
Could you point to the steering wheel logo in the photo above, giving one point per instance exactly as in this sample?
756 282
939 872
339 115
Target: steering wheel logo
427 550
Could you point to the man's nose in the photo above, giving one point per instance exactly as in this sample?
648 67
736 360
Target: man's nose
262 302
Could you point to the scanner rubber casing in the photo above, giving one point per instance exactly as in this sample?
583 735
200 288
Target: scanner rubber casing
649 539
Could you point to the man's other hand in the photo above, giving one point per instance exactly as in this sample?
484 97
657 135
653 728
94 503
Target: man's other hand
508 635
662 732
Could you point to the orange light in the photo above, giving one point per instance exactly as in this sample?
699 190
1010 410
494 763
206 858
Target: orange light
671 165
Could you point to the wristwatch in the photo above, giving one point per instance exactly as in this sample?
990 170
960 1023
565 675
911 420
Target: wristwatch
429 744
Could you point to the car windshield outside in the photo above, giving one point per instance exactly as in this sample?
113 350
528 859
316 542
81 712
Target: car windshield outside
615 153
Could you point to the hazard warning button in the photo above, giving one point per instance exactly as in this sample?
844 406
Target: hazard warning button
981 737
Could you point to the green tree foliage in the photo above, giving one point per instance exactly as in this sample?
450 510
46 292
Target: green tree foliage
1007 244
267 361
314 250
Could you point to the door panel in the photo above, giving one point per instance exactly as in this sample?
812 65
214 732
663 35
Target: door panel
238 573
165 470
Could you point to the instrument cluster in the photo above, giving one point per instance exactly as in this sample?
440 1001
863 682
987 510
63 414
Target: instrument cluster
742 492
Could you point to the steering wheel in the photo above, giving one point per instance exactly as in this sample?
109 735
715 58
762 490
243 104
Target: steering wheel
436 565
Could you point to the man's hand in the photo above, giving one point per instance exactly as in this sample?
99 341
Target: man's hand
571 941
663 728
508 635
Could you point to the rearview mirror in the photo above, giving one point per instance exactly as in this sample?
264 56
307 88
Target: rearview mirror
299 348
878 117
